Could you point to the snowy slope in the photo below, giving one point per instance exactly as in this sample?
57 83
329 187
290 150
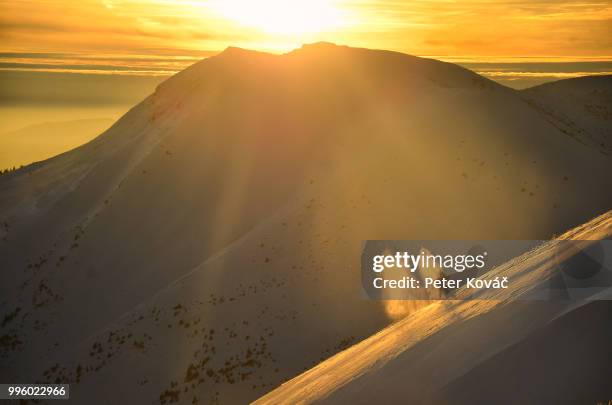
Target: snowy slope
235 199
580 107
498 350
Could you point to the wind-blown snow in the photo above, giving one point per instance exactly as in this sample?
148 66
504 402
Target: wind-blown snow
417 359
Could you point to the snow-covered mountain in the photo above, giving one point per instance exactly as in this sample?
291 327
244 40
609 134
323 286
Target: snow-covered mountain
206 247
581 108
502 349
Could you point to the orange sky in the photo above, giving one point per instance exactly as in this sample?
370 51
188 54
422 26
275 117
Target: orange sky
74 59
421 27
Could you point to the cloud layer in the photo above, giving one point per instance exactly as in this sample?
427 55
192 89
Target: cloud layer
467 27
504 40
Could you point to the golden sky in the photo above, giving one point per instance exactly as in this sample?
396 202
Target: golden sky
156 38
421 27
73 59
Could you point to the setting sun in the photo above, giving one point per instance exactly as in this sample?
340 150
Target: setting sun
283 17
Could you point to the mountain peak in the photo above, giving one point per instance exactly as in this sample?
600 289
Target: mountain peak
322 45
235 50
314 46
